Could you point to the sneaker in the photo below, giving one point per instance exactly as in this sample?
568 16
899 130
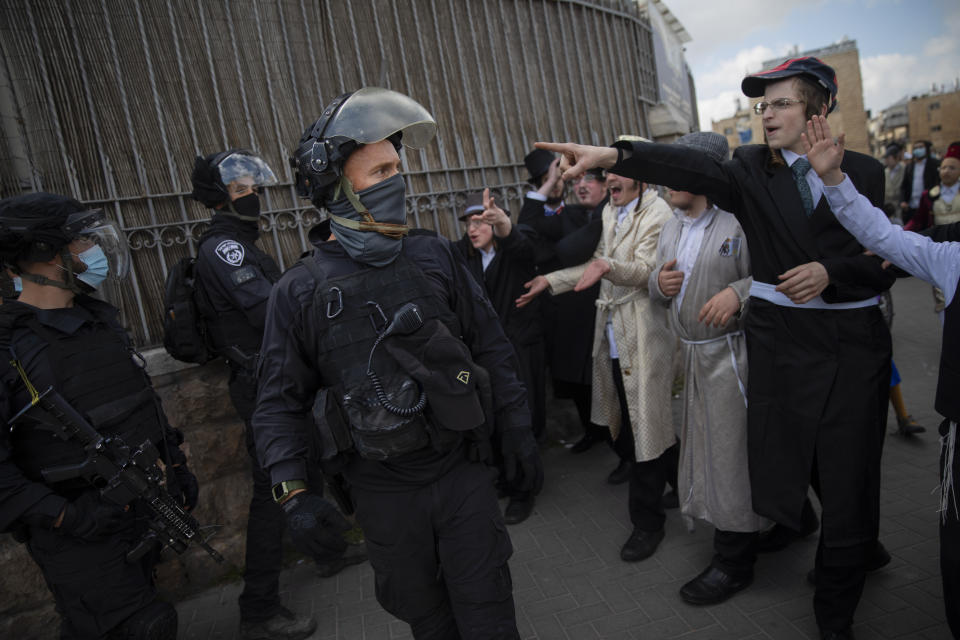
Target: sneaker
354 554
286 625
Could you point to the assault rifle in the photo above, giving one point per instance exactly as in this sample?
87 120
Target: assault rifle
122 474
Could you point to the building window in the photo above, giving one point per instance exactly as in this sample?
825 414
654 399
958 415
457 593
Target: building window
934 105
728 131
935 127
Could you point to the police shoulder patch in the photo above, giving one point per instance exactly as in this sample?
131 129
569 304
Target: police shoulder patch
231 252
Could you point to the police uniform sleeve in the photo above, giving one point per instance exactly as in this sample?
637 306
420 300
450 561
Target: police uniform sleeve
288 382
241 281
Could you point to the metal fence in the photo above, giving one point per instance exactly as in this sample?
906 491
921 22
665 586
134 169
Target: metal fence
109 101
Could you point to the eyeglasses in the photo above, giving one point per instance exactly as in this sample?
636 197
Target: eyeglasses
474 223
780 104
587 178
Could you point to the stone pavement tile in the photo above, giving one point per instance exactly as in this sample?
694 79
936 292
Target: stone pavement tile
735 621
376 632
583 614
797 608
938 632
357 608
654 605
349 628
195 630
400 630
583 631
621 622
778 627
901 623
582 591
670 627
549 606
616 597
326 618
575 542
547 626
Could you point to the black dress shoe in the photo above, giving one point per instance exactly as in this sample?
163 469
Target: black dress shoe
640 545
713 586
518 510
832 634
670 500
622 473
584 443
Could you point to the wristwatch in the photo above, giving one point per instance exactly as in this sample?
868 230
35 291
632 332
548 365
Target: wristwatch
283 490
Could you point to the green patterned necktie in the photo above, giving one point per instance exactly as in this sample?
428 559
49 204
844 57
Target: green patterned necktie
800 169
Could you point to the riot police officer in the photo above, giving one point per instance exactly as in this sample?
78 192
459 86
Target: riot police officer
60 340
390 326
234 279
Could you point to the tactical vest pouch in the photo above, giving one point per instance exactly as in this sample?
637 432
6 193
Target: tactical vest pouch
378 434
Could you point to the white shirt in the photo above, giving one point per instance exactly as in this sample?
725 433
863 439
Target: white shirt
547 209
816 184
947 194
486 257
688 246
622 213
917 187
936 262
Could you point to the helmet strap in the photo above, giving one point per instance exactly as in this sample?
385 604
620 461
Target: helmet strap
388 229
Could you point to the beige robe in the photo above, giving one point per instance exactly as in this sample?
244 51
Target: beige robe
644 345
713 479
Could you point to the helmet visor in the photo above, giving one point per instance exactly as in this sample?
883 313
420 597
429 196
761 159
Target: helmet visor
245 169
373 114
107 235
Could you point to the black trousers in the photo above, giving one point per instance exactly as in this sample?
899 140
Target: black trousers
260 599
735 552
439 554
649 478
950 535
533 364
94 586
840 573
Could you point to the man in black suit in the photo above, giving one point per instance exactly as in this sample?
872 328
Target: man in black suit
818 348
567 235
922 173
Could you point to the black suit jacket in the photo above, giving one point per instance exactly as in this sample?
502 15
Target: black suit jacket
931 177
765 199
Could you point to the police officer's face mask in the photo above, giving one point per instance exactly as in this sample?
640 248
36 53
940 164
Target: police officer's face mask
247 208
373 232
97 266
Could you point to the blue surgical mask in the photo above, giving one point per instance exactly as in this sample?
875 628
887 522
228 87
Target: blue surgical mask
919 153
17 284
97 266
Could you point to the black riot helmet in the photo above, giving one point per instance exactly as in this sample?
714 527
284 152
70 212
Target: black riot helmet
212 176
365 116
35 227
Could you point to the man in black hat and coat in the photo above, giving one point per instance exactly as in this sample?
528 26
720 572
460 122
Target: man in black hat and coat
818 347
567 235
500 257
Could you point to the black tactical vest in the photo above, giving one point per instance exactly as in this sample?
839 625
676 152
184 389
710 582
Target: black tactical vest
351 311
94 370
948 385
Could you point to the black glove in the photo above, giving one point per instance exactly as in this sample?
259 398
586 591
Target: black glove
188 489
521 460
91 518
316 527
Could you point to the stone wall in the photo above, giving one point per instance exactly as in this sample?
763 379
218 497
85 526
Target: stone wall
195 400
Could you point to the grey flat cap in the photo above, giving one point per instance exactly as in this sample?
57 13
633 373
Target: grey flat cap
712 144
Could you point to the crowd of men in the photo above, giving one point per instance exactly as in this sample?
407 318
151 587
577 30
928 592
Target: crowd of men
408 374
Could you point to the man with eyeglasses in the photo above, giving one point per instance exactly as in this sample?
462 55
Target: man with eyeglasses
817 346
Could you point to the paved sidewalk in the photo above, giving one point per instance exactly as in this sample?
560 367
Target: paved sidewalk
569 581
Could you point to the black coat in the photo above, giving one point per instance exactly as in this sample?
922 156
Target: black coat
565 240
511 267
818 380
931 177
